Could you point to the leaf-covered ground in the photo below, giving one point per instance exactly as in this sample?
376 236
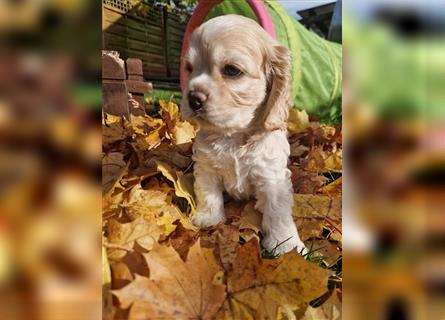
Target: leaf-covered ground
157 265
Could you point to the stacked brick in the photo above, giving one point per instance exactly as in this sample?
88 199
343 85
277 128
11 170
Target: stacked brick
123 85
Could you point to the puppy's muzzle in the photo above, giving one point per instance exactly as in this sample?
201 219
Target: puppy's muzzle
196 100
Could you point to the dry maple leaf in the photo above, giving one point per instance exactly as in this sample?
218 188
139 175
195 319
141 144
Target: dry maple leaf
261 289
175 289
312 213
122 236
330 310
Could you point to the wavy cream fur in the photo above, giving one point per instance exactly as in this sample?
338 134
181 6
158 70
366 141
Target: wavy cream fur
241 146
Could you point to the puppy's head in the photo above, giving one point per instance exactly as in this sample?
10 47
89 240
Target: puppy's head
237 76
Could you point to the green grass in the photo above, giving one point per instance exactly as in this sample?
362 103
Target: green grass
164 94
88 95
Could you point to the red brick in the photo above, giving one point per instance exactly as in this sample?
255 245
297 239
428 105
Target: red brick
134 66
138 86
115 98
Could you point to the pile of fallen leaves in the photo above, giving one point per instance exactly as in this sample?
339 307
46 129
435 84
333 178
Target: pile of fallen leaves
157 265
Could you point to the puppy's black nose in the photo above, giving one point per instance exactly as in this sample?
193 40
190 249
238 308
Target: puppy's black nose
196 100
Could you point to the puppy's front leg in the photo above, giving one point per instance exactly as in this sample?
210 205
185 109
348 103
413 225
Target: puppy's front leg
209 198
275 201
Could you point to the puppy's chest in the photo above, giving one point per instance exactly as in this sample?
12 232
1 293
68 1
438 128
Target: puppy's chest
233 165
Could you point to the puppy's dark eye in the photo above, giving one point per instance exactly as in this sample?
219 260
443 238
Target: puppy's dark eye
231 71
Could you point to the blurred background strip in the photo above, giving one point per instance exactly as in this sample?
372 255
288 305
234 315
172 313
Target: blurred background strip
50 172
394 196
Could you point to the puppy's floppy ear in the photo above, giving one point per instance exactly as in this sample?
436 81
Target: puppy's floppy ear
276 108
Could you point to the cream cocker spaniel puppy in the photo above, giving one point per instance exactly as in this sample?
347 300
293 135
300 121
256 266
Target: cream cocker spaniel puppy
238 92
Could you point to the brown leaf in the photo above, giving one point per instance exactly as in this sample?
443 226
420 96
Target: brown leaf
122 236
315 160
182 239
173 155
228 240
113 129
330 310
259 289
121 275
250 218
305 181
113 167
297 149
175 289
312 213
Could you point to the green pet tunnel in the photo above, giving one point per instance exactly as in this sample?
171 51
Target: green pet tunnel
316 62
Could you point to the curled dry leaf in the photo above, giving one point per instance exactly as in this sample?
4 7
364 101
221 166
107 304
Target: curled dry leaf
298 121
183 132
175 289
113 168
183 183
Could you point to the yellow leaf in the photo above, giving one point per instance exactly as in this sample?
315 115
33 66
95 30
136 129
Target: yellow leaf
259 288
330 310
175 289
332 189
183 183
142 125
334 162
169 110
298 121
106 273
183 132
154 204
123 236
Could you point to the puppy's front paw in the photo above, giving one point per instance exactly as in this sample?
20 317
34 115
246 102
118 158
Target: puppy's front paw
207 219
282 245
